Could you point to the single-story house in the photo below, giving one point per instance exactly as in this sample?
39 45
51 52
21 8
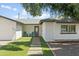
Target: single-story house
49 29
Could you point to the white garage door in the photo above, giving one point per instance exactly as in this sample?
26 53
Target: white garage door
7 29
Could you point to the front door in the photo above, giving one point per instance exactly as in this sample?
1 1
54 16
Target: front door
36 30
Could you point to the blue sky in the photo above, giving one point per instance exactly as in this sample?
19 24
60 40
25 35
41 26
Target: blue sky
11 10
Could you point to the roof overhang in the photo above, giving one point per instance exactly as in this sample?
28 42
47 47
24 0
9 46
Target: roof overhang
43 20
11 19
59 21
47 20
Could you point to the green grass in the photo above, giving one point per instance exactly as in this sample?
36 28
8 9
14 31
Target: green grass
46 50
18 48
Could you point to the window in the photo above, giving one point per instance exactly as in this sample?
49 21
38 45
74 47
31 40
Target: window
68 29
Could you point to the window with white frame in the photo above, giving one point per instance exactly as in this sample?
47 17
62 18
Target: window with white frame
68 29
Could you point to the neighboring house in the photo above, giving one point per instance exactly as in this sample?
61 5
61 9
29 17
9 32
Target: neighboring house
49 29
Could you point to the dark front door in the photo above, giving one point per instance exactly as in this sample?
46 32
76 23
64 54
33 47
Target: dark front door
36 30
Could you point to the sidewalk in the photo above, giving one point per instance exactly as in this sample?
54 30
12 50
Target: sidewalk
35 49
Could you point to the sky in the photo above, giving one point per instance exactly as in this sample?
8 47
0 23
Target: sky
11 10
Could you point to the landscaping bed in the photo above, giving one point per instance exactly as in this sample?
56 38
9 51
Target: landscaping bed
46 50
18 48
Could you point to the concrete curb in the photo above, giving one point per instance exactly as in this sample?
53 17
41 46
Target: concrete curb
51 49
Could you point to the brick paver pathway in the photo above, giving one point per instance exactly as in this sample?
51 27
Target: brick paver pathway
35 49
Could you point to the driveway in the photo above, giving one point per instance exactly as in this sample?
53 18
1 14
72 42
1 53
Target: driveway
65 49
4 42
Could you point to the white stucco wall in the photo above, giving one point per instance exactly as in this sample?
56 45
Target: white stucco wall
29 28
43 31
48 30
7 29
51 31
18 30
59 36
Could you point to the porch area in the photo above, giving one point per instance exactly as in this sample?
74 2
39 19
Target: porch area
31 30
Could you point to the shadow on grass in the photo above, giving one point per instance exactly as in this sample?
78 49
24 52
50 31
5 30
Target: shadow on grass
15 46
21 43
11 48
46 50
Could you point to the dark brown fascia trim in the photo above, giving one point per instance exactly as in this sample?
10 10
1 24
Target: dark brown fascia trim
67 22
47 21
57 21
